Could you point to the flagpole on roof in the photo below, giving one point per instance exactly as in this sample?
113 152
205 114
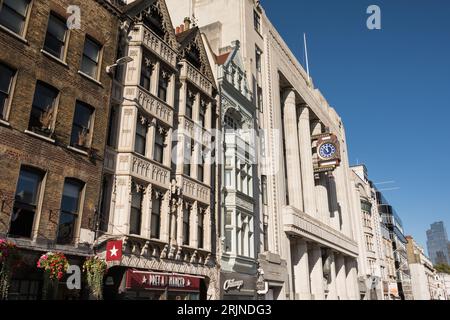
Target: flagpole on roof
306 56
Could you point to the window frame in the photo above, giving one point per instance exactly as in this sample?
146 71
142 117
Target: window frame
166 82
142 75
100 57
6 108
188 145
55 105
201 229
186 225
77 214
38 200
154 214
63 54
158 146
141 136
26 20
90 129
257 21
139 211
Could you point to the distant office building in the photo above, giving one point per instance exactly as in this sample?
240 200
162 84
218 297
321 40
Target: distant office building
437 243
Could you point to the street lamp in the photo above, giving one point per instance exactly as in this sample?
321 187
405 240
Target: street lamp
120 61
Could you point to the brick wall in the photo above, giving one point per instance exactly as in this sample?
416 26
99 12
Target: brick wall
19 148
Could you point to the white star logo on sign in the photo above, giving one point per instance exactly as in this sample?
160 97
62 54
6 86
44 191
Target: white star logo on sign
113 251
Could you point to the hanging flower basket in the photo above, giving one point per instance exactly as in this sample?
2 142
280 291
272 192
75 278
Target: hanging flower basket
54 263
95 269
9 256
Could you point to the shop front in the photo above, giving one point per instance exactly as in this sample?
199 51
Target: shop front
151 285
238 286
28 281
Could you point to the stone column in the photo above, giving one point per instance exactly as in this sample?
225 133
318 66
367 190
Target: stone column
193 223
150 139
121 219
307 170
334 205
147 212
155 78
332 286
173 227
320 182
341 277
301 270
167 155
351 279
180 222
165 217
316 272
292 151
207 228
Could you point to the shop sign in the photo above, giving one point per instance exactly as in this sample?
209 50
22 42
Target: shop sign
152 280
233 284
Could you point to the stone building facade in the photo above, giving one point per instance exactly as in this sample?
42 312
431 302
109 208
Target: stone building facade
424 281
371 262
54 102
158 182
239 202
308 220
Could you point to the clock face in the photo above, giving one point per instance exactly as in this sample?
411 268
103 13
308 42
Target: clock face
327 150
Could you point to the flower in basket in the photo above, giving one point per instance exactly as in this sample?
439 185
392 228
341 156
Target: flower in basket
95 269
9 259
7 249
55 263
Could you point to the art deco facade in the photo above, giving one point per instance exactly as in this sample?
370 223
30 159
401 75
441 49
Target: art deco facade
310 248
54 97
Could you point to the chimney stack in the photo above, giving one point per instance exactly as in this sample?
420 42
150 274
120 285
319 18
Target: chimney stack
187 23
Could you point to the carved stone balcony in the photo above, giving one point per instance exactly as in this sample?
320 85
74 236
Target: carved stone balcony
298 223
194 189
142 253
152 105
190 73
145 36
143 168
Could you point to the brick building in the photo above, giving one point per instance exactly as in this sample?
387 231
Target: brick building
54 108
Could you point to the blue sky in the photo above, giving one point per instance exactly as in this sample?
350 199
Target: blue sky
392 89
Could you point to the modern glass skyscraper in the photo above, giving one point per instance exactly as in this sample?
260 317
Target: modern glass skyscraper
437 243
